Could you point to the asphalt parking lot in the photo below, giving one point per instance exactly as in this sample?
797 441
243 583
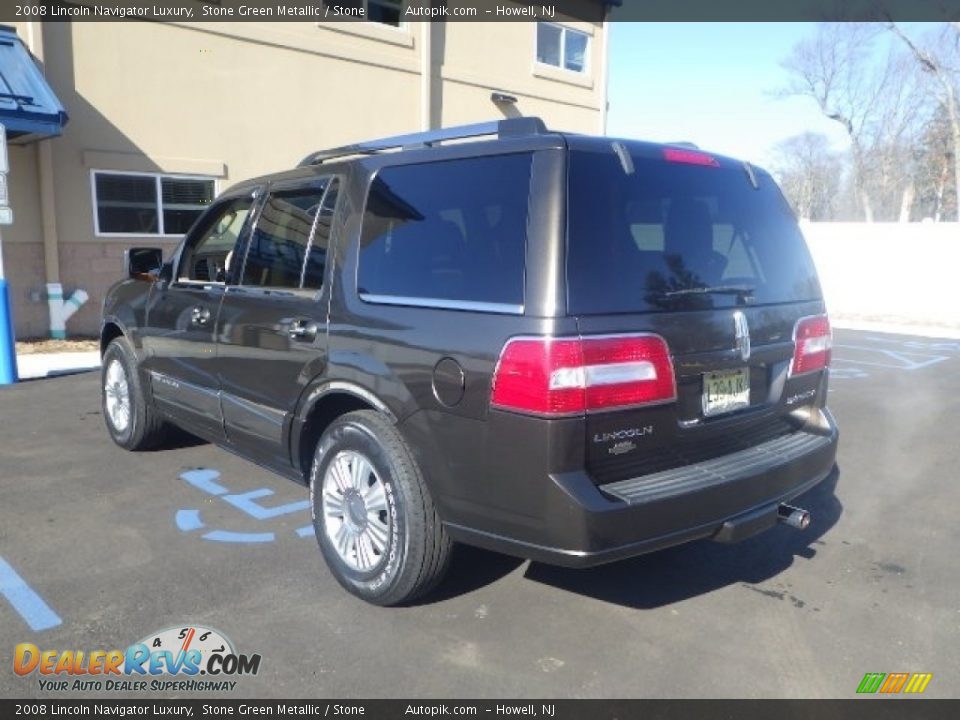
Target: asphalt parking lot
99 548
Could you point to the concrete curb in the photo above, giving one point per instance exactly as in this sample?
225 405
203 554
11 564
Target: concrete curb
42 365
894 328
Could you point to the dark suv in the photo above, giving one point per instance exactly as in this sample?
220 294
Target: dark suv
566 348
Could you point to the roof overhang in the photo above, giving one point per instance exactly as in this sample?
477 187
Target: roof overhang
29 109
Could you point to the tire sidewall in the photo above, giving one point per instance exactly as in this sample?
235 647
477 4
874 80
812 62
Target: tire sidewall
355 435
116 353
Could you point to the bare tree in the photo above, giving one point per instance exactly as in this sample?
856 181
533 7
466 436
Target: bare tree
809 173
874 102
940 61
933 170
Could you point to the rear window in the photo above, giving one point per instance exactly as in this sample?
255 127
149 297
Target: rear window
449 233
636 238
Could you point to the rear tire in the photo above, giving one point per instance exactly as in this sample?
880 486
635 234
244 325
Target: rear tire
375 521
128 411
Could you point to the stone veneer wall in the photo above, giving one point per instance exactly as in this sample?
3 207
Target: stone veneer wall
23 264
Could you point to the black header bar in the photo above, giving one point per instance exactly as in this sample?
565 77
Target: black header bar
593 11
865 709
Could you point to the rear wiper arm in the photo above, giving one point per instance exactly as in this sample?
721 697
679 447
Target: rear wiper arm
744 292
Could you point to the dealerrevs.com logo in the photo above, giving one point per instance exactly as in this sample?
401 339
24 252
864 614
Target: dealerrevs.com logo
170 660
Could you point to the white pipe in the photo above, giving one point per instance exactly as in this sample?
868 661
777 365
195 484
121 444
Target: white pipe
62 310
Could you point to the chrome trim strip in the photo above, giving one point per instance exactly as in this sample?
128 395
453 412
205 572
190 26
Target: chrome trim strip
498 308
351 389
175 384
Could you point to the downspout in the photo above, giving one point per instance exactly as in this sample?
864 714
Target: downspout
426 76
605 70
59 310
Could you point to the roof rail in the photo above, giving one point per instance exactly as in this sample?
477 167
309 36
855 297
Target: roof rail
509 127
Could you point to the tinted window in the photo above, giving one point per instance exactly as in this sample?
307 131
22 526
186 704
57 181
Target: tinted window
634 238
208 254
278 246
317 253
453 230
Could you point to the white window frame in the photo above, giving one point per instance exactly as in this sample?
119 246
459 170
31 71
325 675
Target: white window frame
563 50
159 200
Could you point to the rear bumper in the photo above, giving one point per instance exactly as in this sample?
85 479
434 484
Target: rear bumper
727 498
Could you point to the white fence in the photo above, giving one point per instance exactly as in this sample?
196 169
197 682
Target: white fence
901 273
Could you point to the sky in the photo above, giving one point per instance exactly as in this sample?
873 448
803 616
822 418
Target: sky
712 84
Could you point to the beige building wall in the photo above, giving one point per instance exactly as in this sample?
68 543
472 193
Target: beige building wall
235 100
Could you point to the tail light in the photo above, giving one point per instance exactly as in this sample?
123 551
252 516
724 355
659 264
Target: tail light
567 376
812 344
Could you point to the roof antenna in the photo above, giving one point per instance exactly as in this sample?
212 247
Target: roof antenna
626 162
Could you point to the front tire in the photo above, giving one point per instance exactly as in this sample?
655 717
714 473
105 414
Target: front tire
130 417
375 521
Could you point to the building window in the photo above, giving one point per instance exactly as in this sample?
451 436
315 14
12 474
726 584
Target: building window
148 204
562 47
386 12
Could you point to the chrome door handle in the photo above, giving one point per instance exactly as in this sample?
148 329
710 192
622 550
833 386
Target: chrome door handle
200 315
304 330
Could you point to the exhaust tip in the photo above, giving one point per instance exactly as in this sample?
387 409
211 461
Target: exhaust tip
793 516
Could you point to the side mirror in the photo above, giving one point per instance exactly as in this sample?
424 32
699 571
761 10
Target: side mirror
142 263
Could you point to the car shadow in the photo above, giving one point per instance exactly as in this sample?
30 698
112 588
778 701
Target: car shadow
669 576
175 438
471 569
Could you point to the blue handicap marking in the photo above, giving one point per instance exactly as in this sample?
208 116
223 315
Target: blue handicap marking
189 520
228 536
246 503
205 479
31 607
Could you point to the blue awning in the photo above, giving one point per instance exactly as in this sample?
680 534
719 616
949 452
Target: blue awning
28 108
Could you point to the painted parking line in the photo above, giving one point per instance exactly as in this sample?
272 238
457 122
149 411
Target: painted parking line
37 614
885 358
934 345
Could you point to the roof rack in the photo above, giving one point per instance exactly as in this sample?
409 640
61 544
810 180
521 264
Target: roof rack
509 127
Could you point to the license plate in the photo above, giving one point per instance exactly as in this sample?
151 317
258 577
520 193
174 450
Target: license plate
725 391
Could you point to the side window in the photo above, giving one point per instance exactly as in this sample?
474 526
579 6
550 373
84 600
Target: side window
209 252
317 252
453 230
278 247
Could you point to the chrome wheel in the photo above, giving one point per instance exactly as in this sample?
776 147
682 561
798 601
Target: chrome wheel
356 517
116 391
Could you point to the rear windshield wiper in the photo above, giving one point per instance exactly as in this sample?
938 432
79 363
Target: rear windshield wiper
744 293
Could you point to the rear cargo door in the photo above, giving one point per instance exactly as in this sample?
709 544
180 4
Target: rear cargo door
703 252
